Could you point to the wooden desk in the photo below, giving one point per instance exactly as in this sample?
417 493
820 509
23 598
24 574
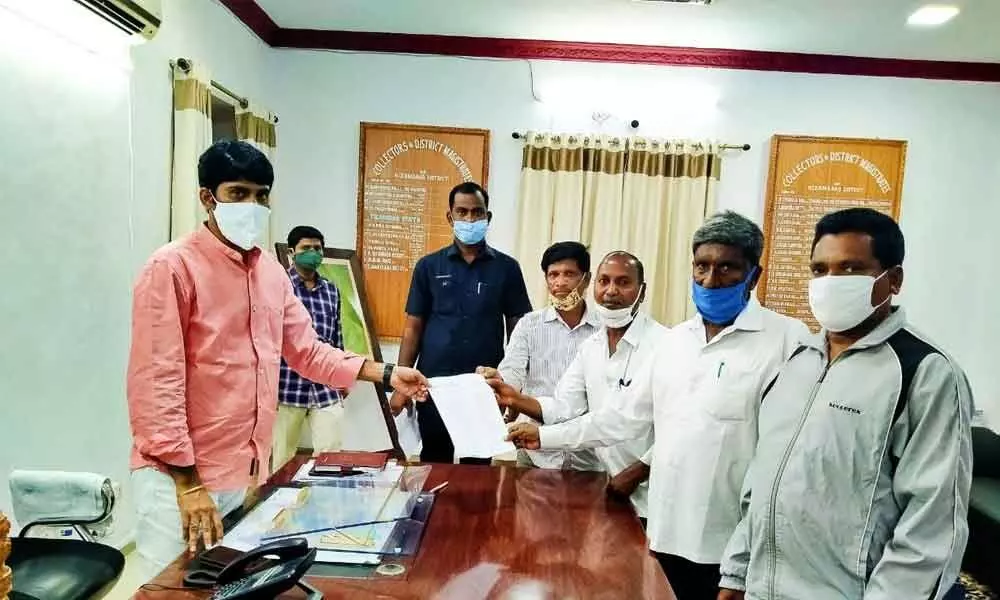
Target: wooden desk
505 532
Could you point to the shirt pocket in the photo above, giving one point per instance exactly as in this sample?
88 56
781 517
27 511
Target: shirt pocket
482 298
732 392
445 292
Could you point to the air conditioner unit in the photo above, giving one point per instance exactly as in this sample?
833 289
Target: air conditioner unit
131 16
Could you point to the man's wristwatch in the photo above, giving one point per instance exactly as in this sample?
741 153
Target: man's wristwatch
387 376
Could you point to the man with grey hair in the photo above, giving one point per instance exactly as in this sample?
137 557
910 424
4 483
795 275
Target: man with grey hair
702 404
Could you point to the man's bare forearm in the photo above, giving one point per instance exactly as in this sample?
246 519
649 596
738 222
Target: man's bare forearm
184 477
372 371
409 346
526 405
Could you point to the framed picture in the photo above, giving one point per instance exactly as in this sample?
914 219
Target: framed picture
368 421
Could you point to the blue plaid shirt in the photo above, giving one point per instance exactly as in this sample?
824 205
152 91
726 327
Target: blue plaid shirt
323 304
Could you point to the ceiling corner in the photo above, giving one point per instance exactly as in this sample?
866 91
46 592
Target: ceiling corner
254 17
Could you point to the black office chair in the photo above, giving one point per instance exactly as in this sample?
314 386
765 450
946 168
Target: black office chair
54 569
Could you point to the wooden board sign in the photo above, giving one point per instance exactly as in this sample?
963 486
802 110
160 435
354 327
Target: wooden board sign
808 178
404 175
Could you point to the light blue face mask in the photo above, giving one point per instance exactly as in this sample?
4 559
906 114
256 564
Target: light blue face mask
471 232
721 306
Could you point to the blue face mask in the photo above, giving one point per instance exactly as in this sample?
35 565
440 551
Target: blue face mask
720 306
471 233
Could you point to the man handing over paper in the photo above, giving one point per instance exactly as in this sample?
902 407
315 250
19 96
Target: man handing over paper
212 316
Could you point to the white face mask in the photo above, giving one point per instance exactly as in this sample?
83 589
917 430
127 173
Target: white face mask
242 223
842 302
616 318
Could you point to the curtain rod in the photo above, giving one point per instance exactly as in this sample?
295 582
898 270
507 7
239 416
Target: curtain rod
185 65
519 135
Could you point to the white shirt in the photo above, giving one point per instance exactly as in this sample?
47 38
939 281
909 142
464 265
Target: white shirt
702 401
540 350
595 380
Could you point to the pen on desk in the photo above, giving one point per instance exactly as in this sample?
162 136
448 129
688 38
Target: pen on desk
719 374
438 488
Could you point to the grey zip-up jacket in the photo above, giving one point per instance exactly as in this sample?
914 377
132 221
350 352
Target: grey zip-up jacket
860 484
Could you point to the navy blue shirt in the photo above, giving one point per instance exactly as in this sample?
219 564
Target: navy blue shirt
463 306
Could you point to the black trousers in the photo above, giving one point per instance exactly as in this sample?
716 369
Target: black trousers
690 580
437 445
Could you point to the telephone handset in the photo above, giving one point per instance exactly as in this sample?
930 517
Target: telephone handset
266 572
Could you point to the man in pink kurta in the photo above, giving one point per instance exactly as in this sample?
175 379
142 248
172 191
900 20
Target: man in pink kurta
212 317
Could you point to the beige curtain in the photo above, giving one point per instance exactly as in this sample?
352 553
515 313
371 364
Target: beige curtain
192 136
645 196
669 188
568 182
256 125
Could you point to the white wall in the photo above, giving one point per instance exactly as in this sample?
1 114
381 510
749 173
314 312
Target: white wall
951 196
206 32
65 246
75 230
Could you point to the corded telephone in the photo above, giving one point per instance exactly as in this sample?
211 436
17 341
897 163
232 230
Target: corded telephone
260 574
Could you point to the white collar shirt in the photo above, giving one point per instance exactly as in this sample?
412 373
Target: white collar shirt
540 350
595 378
702 401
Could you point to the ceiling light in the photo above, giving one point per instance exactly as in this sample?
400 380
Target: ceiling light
932 15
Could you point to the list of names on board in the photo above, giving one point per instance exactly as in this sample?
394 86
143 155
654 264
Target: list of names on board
405 175
809 178
395 226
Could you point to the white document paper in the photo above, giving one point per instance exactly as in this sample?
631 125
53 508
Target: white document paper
469 410
408 429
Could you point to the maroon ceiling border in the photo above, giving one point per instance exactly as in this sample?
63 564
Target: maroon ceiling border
254 17
755 60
